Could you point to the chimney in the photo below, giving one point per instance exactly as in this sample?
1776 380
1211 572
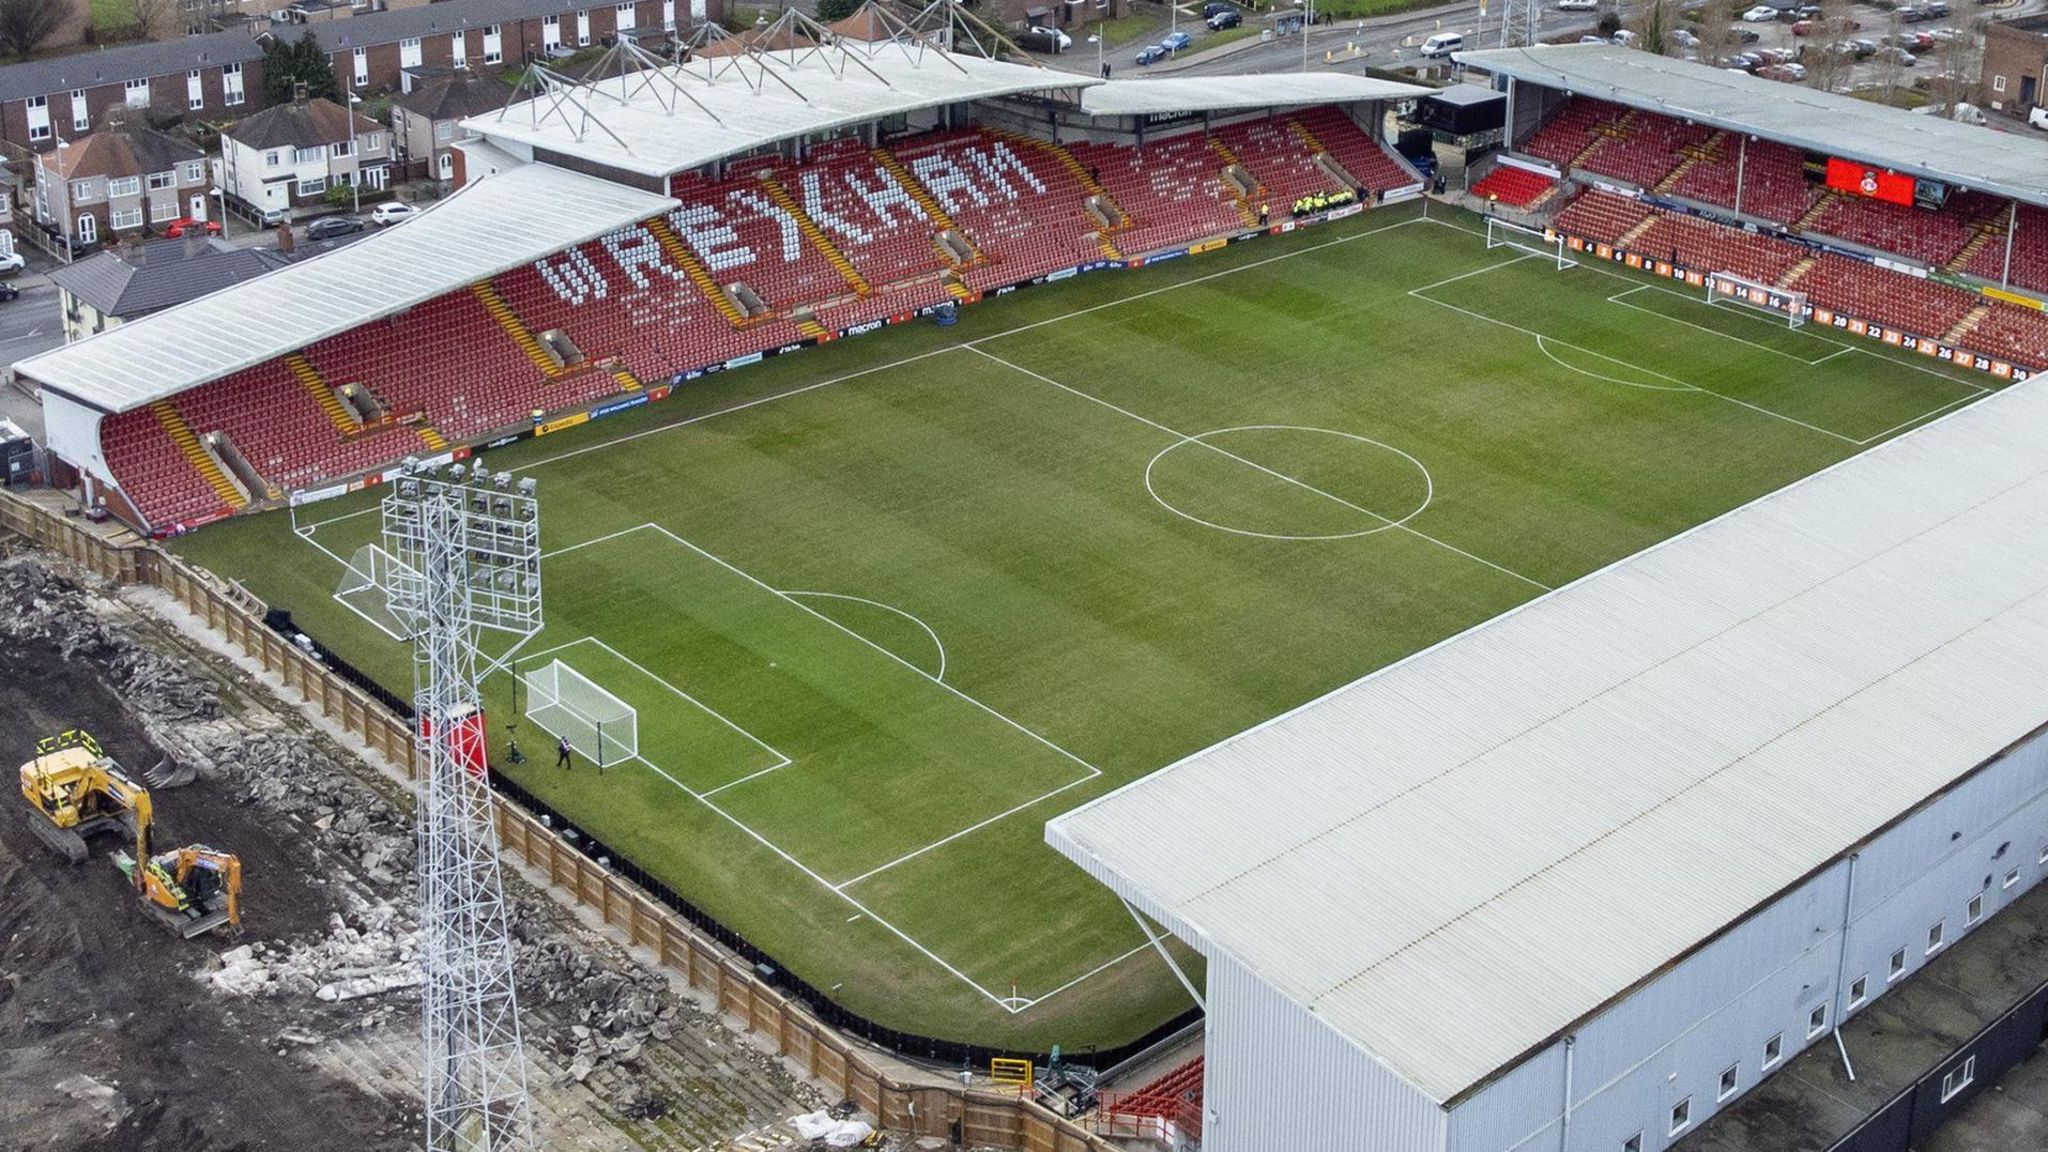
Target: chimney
298 91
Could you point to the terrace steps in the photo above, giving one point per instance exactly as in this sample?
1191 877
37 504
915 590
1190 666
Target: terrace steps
431 440
317 387
1962 327
942 221
1798 272
195 453
811 232
487 294
692 267
1985 235
1814 211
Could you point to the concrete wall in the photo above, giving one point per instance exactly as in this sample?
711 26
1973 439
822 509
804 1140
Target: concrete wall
1672 1039
1278 1078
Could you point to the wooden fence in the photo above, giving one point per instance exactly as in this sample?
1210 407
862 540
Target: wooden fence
991 1119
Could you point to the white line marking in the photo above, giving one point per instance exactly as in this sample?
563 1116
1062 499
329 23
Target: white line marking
939 675
1428 484
1063 317
715 714
1544 347
1255 465
1621 299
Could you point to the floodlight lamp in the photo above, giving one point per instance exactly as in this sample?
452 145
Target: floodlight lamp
527 486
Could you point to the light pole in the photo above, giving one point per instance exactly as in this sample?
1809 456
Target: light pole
354 150
1308 20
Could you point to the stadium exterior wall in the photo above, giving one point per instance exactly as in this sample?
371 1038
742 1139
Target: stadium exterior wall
1277 1077
1671 1038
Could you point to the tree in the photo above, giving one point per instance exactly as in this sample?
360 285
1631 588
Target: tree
1890 69
1654 23
154 17
286 65
1717 24
833 10
1962 69
25 24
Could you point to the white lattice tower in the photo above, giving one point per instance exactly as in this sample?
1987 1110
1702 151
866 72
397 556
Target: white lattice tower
468 560
1518 22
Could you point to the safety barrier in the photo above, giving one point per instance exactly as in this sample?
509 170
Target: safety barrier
974 1116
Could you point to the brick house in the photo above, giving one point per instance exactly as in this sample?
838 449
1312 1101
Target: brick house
290 155
126 283
65 97
2016 64
424 120
220 74
122 180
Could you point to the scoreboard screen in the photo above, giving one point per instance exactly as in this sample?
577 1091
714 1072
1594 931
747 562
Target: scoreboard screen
1865 180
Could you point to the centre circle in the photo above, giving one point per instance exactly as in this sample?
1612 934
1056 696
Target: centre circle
1218 442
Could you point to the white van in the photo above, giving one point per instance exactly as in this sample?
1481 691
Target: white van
1441 45
2038 117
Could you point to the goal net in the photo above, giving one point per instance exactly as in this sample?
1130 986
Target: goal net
365 589
1522 238
601 727
1741 292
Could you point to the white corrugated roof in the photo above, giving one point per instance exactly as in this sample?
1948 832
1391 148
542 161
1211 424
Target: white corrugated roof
1171 94
2005 163
1456 858
495 224
642 123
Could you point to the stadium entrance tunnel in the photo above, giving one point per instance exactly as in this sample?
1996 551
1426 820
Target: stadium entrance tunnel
1288 482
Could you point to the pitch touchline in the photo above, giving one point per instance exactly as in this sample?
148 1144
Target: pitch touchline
1304 486
857 374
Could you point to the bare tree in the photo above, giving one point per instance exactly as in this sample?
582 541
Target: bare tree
1717 25
155 17
1828 58
1891 70
1654 23
25 24
1962 69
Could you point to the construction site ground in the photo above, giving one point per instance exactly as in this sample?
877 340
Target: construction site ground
303 1034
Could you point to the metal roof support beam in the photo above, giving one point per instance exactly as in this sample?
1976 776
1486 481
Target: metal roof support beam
1159 946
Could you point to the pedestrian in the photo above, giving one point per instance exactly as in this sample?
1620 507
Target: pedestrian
1105 69
562 759
1264 210
1094 174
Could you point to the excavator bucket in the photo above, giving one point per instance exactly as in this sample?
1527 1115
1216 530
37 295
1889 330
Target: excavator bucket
168 773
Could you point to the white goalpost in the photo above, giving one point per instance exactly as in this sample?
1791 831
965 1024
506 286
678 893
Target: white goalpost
567 704
1742 292
1522 238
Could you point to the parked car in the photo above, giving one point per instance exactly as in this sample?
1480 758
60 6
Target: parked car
1776 55
2037 117
11 262
1789 73
1761 14
1684 38
1228 18
1045 39
1946 35
1864 48
8 291
1743 36
1593 40
1961 113
1904 58
1746 61
1151 54
1626 38
1578 5
392 211
328 227
1935 7
1176 41
1806 12
1213 7
184 224
1911 13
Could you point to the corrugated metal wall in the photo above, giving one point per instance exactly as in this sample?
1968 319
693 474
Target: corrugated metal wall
1671 1040
1278 1078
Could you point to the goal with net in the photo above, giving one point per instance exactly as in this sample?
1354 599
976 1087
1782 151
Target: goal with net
1534 241
1741 292
567 704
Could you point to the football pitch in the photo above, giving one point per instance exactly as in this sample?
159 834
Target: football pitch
883 607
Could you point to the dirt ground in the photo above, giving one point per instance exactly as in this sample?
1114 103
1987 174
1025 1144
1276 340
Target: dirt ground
303 1033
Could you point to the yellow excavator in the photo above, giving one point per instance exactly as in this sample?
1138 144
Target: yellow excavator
76 790
192 890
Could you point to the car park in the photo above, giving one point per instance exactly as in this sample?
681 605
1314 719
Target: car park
392 212
329 227
1176 41
1761 14
1228 18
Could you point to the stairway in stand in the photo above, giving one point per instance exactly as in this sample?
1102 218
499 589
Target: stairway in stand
1985 235
941 220
430 439
1798 272
1813 213
810 230
310 379
487 294
673 246
195 454
1957 334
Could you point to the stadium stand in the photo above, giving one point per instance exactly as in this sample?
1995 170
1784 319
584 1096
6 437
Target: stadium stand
1928 237
775 253
1700 244
1772 175
1515 187
1864 290
1174 1098
1573 130
1642 148
2029 251
1602 216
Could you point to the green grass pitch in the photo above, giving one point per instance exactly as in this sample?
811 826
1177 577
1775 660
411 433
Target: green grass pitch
885 606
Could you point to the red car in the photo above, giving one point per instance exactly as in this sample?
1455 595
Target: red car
182 224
